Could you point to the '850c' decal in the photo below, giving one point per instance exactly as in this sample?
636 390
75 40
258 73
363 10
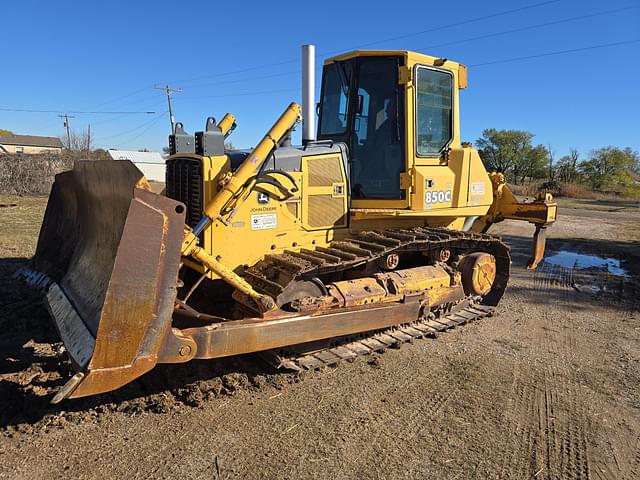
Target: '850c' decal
437 197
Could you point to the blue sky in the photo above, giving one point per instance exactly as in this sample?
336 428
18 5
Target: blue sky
107 56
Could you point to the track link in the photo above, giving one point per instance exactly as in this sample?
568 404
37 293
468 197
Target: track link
276 272
313 356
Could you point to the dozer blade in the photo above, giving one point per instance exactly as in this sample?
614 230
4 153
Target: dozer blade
112 251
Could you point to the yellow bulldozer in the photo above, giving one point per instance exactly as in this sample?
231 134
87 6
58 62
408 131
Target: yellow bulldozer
369 234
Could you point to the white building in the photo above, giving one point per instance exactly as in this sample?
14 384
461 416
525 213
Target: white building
151 164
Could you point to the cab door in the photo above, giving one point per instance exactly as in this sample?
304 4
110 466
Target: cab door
377 147
363 105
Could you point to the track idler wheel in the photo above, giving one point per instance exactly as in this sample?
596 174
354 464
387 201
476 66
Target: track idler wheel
478 273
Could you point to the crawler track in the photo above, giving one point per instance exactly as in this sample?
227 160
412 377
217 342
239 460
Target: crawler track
313 356
277 273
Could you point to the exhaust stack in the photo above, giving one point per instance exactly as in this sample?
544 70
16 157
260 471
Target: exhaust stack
308 93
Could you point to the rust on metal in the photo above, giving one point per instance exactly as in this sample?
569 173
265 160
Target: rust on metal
252 335
538 246
360 291
317 354
478 273
116 282
416 279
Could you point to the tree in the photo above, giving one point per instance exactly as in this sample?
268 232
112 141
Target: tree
5 132
567 167
511 152
79 141
551 170
610 168
534 163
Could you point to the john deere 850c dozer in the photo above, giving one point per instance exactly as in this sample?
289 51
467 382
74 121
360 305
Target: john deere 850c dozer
371 235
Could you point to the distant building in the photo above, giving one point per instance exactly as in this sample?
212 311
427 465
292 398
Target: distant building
29 144
151 164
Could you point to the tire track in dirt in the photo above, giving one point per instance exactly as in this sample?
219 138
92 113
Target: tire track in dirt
566 444
547 417
425 398
438 389
621 295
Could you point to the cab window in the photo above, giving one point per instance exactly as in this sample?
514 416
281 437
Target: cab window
335 91
434 104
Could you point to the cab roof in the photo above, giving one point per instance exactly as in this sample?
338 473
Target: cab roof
412 57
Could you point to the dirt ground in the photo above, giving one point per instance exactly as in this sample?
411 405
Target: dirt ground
547 388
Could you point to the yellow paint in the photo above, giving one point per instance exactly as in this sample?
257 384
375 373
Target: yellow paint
227 122
245 228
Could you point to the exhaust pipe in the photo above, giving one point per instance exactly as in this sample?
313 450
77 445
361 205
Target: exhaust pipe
308 93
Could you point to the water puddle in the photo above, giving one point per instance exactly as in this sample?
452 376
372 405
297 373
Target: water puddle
580 261
604 277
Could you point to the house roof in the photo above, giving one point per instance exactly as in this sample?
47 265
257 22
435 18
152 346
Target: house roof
30 141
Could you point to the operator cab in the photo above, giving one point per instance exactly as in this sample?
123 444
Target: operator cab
363 104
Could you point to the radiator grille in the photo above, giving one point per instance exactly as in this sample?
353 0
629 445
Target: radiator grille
324 171
293 208
326 211
184 183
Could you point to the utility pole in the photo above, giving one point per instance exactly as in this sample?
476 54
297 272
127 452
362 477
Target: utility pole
66 124
168 90
89 137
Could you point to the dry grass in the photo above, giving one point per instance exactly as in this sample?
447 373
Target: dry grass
20 218
574 190
526 190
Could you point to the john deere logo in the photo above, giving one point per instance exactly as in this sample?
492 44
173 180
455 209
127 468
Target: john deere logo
263 198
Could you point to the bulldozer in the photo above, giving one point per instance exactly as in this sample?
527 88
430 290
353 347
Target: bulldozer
370 233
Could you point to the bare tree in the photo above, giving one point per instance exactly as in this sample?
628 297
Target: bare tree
567 167
552 171
79 141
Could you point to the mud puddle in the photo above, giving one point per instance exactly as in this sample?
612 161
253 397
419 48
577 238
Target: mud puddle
584 262
602 277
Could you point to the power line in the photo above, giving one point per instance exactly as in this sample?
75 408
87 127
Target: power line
116 99
155 120
434 29
455 24
530 27
285 62
559 52
243 94
479 37
260 77
243 70
149 122
119 117
77 112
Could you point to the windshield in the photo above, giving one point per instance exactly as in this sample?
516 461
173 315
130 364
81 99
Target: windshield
335 90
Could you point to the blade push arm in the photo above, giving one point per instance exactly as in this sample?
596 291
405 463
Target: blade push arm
541 212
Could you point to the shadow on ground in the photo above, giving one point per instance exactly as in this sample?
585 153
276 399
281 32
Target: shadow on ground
32 367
